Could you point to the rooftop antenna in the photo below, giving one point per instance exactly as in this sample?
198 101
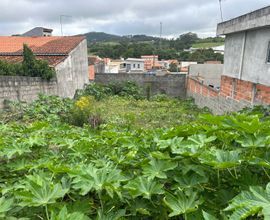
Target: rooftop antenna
220 8
61 17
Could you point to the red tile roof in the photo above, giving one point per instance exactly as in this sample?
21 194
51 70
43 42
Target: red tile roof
39 45
52 49
52 60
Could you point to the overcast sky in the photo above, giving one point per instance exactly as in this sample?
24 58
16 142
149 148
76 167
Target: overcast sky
121 17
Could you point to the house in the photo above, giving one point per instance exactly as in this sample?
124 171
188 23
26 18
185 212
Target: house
219 49
209 73
245 77
38 32
246 74
132 65
151 62
184 65
165 64
113 66
67 55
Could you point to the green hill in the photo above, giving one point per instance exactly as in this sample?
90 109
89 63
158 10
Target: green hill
97 37
101 37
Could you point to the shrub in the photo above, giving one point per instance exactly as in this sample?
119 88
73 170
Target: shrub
99 91
84 112
126 89
44 108
29 67
96 90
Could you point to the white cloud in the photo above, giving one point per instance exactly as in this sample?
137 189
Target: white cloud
121 16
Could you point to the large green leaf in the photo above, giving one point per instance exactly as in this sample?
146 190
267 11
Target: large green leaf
111 215
248 203
192 145
5 206
15 148
221 159
190 180
163 144
157 168
64 215
182 203
208 216
37 190
253 140
144 187
88 178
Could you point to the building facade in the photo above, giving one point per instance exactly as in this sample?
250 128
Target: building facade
132 65
245 79
38 32
67 55
247 54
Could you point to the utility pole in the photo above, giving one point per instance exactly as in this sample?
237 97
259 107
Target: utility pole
61 24
220 7
160 36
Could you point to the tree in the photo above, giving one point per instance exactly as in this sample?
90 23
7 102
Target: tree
173 67
35 68
28 63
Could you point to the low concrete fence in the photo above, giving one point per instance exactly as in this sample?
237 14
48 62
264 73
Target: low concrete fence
173 85
20 88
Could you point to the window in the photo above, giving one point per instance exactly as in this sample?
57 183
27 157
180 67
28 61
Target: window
139 66
268 54
134 65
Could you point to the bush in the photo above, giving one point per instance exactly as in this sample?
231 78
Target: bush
126 89
29 67
45 107
84 112
99 91
96 90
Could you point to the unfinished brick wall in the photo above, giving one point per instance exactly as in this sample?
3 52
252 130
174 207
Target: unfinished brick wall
198 87
262 94
234 94
244 90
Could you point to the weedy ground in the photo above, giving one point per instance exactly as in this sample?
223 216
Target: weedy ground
111 155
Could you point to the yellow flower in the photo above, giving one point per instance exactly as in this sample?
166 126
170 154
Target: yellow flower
83 103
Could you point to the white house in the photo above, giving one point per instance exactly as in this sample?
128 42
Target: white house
132 65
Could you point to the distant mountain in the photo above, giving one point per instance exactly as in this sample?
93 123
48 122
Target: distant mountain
93 37
101 37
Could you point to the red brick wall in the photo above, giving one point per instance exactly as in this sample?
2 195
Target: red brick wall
197 87
91 72
244 90
239 90
263 93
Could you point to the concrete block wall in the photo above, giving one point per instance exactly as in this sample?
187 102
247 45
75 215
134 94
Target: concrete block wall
173 85
20 88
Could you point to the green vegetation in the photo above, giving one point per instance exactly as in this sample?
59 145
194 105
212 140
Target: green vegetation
94 37
132 159
29 67
138 45
207 45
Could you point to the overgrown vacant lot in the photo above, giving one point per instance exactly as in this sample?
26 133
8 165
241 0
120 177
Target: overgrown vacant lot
124 157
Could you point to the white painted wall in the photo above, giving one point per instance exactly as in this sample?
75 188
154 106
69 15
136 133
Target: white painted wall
72 73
